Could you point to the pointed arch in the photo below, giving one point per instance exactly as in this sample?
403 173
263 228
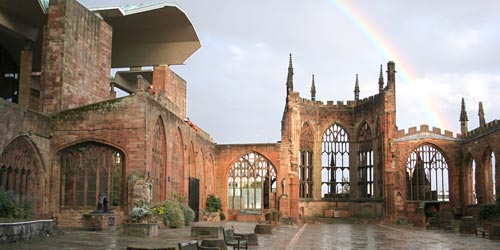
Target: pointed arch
177 173
203 179
89 169
488 175
365 162
469 180
427 174
251 183
335 163
22 171
193 171
210 175
159 154
305 169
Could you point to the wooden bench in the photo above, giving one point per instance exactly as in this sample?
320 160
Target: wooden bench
193 245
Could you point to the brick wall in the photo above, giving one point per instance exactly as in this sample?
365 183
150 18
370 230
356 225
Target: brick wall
77 57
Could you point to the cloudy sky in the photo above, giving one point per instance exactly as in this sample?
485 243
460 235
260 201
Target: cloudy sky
443 50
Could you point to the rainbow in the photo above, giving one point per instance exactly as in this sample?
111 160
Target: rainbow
390 53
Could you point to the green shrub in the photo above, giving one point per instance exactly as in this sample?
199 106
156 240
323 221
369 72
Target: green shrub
222 216
188 213
11 208
213 204
488 212
174 216
140 211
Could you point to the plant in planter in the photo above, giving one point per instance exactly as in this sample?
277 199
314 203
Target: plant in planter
213 209
141 212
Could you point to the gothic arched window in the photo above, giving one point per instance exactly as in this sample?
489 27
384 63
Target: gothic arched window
87 170
21 169
427 175
365 162
335 163
306 162
251 183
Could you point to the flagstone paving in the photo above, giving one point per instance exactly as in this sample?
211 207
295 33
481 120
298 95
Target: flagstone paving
308 236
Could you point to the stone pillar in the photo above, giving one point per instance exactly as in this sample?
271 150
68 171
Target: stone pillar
25 77
112 92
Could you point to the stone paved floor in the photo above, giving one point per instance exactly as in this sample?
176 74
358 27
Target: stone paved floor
309 236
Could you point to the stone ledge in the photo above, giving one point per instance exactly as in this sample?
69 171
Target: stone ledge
26 230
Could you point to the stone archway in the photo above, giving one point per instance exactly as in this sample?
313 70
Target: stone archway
22 172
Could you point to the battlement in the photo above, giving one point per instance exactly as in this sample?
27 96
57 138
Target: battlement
366 100
488 127
424 128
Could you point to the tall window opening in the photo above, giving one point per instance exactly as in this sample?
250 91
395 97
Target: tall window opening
494 175
306 162
427 175
88 170
251 183
365 163
335 163
473 180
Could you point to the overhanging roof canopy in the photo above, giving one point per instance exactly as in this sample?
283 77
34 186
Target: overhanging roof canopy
146 35
22 21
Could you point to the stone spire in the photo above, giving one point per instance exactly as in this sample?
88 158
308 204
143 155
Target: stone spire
289 79
463 119
482 121
356 89
313 90
380 81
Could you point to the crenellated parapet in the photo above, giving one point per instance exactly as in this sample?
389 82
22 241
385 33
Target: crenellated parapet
425 132
482 130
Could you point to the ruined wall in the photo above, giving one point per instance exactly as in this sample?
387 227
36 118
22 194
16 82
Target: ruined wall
227 154
172 86
18 122
478 146
128 124
77 57
405 144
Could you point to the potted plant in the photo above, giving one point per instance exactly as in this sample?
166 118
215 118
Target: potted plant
213 209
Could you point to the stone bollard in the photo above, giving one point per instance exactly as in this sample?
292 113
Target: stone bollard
494 233
263 229
467 225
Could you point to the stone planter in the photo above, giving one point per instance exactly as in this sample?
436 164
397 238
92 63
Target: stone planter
211 217
140 229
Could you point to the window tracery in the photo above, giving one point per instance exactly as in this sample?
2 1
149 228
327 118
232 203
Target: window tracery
335 163
427 175
88 170
251 183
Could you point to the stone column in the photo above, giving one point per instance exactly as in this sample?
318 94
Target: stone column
25 77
